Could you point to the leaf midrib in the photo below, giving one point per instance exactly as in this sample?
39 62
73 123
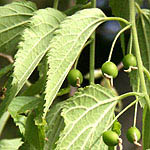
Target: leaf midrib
58 83
89 109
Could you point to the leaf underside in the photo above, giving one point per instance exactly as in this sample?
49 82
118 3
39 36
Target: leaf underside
11 144
66 46
13 20
35 43
55 125
87 115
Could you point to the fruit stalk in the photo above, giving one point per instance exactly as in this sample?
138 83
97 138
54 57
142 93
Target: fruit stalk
92 50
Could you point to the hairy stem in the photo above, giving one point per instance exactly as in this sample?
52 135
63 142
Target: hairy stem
137 51
124 110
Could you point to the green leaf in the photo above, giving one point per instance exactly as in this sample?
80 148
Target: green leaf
87 115
38 86
20 121
146 129
11 144
3 121
66 46
120 8
21 104
55 124
36 41
143 29
32 133
13 18
5 70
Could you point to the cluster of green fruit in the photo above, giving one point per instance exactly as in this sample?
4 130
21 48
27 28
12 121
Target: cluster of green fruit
75 77
111 138
110 69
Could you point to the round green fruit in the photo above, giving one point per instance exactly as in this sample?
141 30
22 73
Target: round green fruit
75 78
110 138
110 69
129 60
133 134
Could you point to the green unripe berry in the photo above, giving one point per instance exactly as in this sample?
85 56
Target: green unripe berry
129 60
133 134
110 138
75 78
110 69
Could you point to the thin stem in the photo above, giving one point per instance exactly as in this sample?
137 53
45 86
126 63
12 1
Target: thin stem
55 5
125 109
137 51
147 73
122 39
92 51
130 94
92 58
117 36
131 39
135 114
63 91
117 19
136 105
8 57
138 8
123 96
76 62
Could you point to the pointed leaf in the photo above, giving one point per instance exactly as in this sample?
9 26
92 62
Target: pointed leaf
87 115
13 18
32 133
38 86
65 47
21 104
55 125
20 121
11 144
3 121
35 44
